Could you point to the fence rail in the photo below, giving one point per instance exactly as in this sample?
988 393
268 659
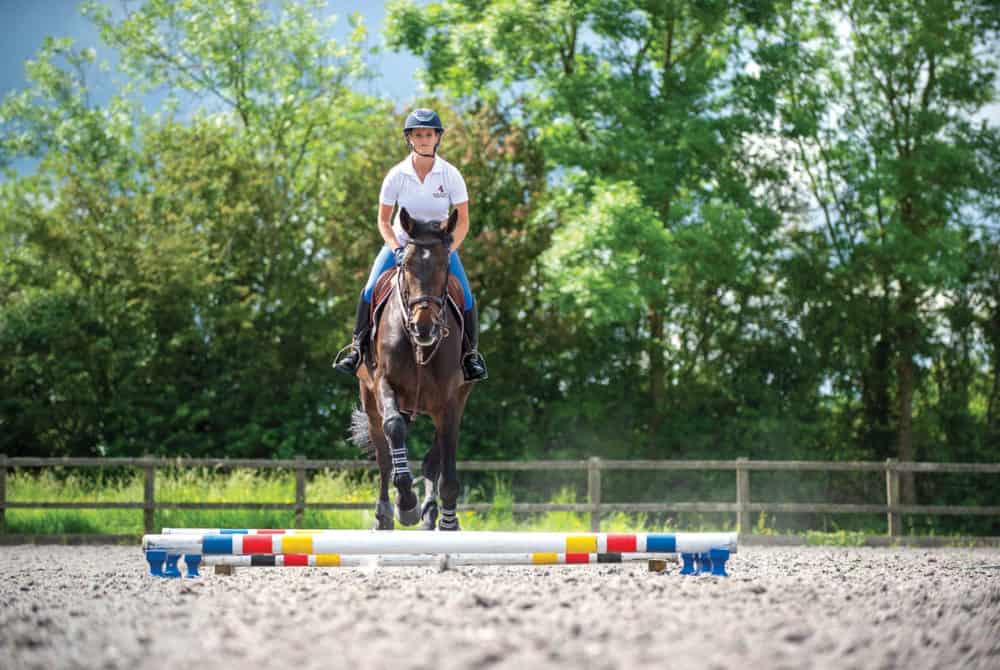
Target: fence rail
743 506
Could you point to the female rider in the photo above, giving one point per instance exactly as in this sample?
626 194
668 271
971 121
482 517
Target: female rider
425 184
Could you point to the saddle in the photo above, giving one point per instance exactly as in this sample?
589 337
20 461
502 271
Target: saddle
383 291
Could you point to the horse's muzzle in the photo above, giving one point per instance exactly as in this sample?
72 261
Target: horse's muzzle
425 329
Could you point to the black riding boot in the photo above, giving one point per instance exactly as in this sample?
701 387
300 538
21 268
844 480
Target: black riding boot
349 362
473 364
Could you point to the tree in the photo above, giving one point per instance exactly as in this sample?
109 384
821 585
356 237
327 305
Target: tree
876 107
628 92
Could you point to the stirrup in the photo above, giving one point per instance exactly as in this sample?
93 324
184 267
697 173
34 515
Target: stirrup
339 362
465 368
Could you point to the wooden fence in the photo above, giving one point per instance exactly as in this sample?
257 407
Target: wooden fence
743 507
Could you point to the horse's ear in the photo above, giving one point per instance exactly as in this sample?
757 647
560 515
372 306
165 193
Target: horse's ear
452 221
405 220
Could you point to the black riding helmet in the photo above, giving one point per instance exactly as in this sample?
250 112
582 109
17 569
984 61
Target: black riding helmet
423 118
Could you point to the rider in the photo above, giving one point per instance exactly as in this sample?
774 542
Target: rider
425 184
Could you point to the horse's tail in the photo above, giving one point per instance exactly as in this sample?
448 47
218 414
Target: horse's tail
360 435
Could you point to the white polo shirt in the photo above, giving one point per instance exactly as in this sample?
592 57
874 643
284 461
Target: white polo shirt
442 188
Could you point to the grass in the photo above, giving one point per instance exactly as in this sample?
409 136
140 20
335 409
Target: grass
201 485
252 486
187 485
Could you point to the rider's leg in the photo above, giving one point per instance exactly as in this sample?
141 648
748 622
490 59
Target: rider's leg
349 362
473 364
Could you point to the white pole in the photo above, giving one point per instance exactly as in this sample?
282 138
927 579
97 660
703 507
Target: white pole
417 542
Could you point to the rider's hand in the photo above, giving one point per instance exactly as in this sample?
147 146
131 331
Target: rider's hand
398 253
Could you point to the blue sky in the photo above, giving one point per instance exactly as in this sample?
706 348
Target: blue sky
27 22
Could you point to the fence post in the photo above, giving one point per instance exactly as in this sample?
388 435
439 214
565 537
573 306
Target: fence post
3 493
743 526
149 496
892 495
594 493
300 490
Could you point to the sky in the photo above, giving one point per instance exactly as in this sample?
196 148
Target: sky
27 22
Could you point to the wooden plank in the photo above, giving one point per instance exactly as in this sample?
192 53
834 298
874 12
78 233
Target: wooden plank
973 468
521 465
893 520
3 493
300 490
743 498
149 498
594 493
670 507
73 505
806 508
667 465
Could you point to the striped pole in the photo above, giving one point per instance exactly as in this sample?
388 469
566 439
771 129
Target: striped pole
167 565
418 542
408 560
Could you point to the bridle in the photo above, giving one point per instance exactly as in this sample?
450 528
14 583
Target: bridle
439 328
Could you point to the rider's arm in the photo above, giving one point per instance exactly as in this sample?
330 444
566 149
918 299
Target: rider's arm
462 227
385 225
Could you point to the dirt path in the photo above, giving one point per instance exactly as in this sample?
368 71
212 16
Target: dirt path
94 607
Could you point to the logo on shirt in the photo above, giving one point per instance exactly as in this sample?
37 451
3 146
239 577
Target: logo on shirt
440 192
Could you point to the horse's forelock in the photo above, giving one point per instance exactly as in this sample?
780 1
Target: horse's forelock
428 230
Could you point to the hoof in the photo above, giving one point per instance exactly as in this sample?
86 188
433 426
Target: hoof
408 517
429 515
383 516
453 525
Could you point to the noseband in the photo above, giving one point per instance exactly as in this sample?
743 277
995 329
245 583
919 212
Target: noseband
439 330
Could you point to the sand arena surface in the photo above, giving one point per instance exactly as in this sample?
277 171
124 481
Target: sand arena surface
95 607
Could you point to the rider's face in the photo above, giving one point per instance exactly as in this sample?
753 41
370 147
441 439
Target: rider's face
423 140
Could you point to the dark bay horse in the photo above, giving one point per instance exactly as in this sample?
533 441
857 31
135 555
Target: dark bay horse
415 368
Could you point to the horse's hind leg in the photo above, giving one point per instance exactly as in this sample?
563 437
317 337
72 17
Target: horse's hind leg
431 468
394 427
447 438
383 508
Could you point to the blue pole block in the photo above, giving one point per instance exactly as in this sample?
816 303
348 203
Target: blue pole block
704 564
192 561
687 564
719 558
172 570
155 559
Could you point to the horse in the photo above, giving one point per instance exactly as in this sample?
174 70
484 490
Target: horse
414 367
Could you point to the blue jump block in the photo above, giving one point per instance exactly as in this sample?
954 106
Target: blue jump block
719 558
703 564
172 570
155 559
192 561
687 564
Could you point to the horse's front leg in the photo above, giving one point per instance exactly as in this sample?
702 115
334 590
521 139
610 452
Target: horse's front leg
394 428
447 438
